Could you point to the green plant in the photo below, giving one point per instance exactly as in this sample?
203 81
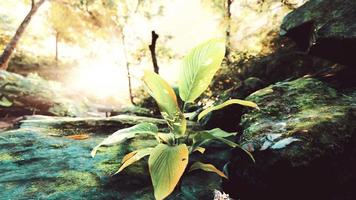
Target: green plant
169 159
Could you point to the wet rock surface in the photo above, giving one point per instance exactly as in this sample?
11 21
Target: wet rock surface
39 161
303 140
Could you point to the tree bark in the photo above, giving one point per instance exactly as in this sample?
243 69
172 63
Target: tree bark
56 58
228 30
127 67
152 47
6 55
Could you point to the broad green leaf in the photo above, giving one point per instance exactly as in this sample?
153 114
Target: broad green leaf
227 103
166 99
167 165
203 137
4 102
133 157
207 168
199 68
127 133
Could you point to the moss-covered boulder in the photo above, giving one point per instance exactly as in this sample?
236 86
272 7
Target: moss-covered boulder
304 143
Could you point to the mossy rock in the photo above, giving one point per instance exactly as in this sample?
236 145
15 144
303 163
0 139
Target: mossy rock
35 163
303 138
324 28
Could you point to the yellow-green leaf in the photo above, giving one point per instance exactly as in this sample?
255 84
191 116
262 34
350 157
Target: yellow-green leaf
207 168
227 103
128 156
133 157
199 68
127 133
199 149
166 165
166 99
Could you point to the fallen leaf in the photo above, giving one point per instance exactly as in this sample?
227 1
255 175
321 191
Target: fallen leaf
284 142
78 136
266 145
271 137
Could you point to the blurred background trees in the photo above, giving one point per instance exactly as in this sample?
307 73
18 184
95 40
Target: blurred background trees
101 47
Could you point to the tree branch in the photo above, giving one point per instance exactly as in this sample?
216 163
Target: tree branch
152 47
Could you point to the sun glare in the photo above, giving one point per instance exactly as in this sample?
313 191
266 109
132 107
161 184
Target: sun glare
100 78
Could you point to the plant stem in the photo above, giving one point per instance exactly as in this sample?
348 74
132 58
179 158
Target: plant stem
183 110
184 107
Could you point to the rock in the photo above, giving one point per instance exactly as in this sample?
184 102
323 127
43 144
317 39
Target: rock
304 143
133 110
32 94
35 164
106 125
324 28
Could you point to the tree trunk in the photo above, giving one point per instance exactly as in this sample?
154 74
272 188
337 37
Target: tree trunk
56 58
127 67
57 38
152 47
228 30
6 55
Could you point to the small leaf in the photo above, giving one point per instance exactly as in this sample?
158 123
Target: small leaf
220 133
127 133
208 168
284 142
4 102
199 149
227 103
166 165
166 99
199 68
134 157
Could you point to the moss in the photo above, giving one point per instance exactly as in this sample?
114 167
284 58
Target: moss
113 156
308 119
8 157
305 108
69 180
76 180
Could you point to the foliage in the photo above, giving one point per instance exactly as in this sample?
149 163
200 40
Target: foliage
169 159
66 28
